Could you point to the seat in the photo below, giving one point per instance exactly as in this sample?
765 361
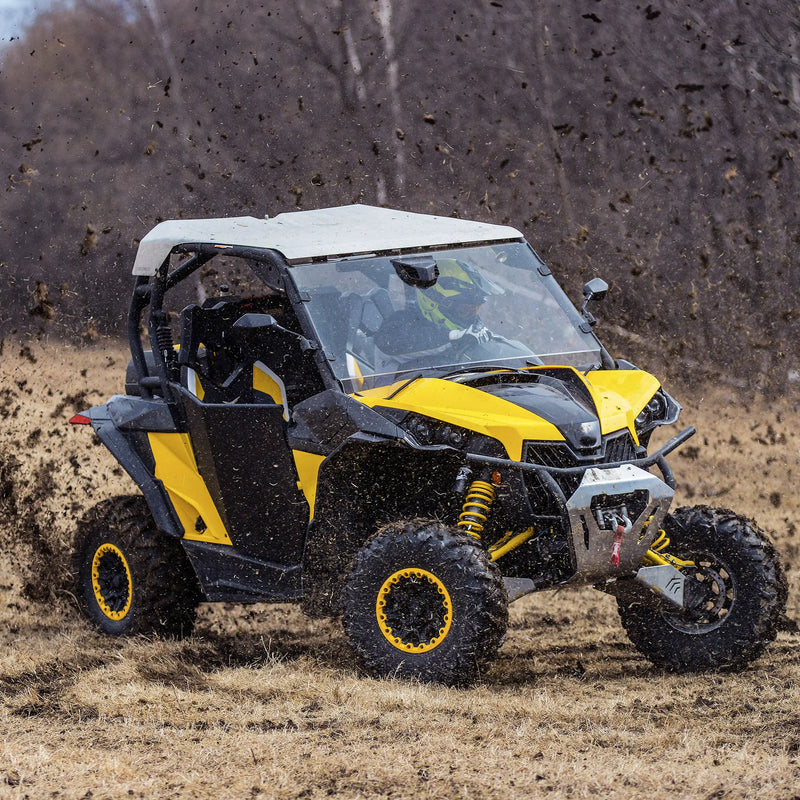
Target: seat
331 316
272 363
377 307
366 314
207 357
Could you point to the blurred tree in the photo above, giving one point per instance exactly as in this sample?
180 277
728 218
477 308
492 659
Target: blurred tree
654 144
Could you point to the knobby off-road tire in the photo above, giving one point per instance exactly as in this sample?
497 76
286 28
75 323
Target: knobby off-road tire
131 577
745 595
423 601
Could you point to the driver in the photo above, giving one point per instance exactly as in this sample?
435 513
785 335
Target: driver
444 315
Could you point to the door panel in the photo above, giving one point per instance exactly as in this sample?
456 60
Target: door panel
244 458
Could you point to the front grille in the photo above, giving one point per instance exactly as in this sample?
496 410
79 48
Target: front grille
550 454
619 447
615 447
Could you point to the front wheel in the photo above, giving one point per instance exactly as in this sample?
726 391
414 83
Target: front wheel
741 600
132 578
423 601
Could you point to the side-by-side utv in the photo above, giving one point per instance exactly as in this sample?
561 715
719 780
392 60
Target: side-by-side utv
400 419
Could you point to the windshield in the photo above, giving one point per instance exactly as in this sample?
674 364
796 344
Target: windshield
380 321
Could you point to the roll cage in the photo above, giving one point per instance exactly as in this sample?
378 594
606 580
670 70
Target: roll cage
272 269
148 296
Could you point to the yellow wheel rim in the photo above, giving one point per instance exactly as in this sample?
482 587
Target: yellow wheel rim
414 610
111 581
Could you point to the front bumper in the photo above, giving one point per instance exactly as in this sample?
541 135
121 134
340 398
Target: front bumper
607 496
546 473
614 516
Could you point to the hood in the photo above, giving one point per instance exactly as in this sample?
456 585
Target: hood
544 404
572 413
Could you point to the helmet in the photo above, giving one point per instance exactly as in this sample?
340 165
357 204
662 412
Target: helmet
454 301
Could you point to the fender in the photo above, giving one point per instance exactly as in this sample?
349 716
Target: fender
118 424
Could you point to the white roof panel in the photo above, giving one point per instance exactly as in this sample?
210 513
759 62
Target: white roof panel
304 235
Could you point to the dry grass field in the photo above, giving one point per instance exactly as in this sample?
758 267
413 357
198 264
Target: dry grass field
262 702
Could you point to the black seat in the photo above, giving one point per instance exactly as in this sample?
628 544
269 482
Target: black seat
223 355
208 348
366 314
377 307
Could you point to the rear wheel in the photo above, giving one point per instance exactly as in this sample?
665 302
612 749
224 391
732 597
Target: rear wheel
131 577
741 600
425 602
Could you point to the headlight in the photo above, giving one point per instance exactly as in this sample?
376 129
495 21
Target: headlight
428 431
652 412
660 410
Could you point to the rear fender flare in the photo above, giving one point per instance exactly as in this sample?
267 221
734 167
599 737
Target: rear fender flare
122 446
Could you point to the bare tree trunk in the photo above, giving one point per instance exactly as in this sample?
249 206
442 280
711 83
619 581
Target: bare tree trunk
355 65
540 34
794 79
362 96
384 16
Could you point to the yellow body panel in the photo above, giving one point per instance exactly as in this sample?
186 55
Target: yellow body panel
308 465
619 396
176 468
469 408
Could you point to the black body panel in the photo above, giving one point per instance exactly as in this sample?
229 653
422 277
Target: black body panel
323 422
121 424
227 575
135 414
563 401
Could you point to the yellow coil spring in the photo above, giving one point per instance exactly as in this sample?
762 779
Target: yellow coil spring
661 542
476 508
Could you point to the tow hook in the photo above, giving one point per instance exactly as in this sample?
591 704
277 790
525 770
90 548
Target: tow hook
624 526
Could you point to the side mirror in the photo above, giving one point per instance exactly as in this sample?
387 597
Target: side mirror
595 289
420 271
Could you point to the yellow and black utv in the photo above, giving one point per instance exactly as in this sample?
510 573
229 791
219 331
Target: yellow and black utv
400 419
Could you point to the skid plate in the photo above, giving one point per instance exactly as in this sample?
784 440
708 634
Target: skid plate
645 496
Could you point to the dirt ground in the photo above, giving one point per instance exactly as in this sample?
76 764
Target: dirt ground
263 702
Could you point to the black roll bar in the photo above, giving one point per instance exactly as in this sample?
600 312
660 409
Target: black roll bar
269 265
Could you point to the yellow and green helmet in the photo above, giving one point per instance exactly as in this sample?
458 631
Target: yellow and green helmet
455 300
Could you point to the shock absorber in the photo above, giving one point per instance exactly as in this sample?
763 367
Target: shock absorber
164 340
476 508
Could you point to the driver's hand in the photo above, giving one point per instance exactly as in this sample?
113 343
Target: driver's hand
478 331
